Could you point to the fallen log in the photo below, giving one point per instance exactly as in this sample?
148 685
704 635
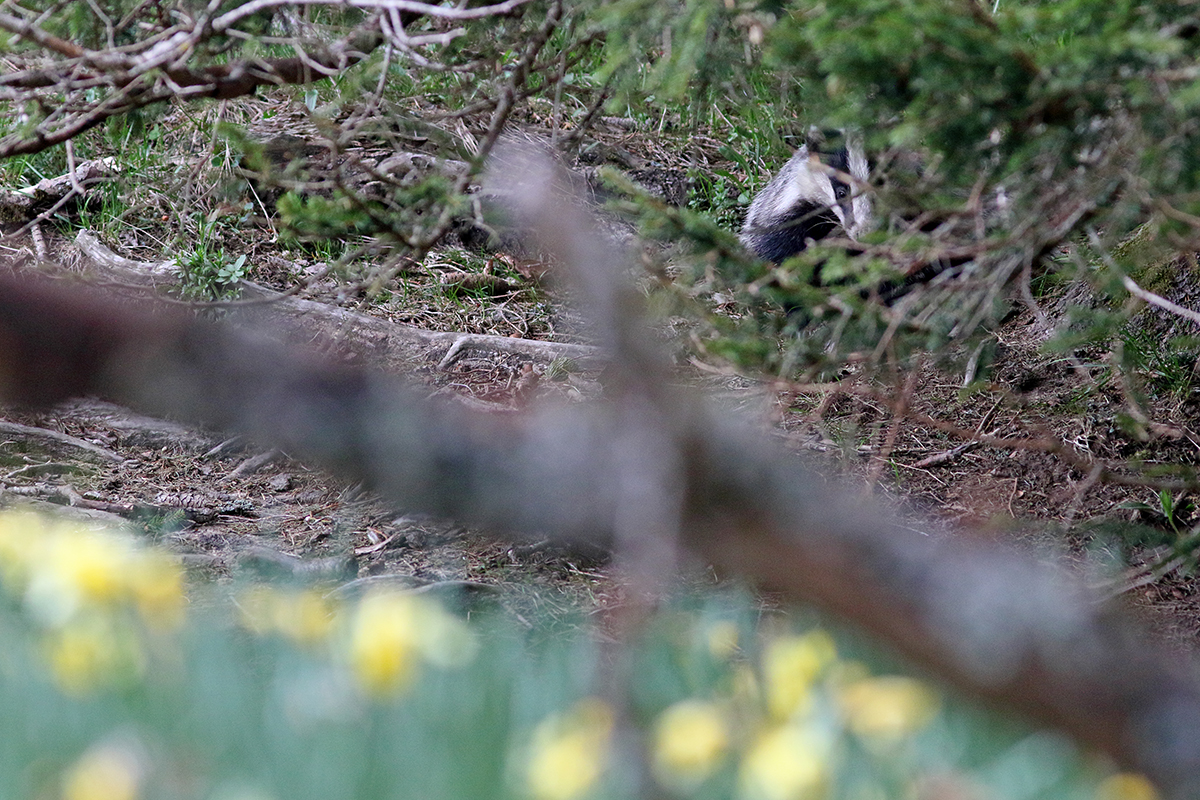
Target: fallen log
392 346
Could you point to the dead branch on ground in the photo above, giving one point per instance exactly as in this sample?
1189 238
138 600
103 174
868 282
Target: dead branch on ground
388 344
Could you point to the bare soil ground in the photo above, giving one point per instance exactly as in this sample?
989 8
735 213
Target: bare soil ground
228 507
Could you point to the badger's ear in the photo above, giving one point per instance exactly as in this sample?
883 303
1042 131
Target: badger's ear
801 153
815 138
856 158
828 141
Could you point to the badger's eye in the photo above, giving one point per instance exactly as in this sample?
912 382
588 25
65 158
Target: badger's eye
841 191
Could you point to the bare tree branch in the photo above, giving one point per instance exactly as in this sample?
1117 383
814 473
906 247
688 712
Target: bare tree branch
40 37
160 68
417 9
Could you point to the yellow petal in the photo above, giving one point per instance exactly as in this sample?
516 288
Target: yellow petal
791 665
105 772
568 751
889 706
722 639
1126 786
785 763
383 644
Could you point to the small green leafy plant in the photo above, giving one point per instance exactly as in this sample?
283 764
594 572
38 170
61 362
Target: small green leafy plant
209 275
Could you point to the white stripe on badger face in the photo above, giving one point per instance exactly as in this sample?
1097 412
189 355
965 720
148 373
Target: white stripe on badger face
860 214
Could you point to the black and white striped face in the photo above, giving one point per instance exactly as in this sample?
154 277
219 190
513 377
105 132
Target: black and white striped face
805 202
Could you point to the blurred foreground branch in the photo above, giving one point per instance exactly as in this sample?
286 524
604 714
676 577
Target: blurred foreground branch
651 466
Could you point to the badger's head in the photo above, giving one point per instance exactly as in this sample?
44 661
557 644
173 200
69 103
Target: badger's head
808 201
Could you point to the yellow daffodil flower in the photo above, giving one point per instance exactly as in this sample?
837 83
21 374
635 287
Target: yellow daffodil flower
791 665
383 642
18 531
786 762
306 619
722 639
74 569
156 583
304 616
1126 786
887 707
392 632
690 738
105 772
568 751
65 569
92 651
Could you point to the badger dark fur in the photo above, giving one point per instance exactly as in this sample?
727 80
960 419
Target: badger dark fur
806 202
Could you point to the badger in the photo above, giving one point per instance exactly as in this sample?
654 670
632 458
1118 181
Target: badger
807 201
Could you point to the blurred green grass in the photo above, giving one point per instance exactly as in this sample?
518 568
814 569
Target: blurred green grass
114 687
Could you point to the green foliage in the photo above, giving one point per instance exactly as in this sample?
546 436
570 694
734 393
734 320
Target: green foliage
106 204
1169 367
1070 111
210 274
1059 108
1164 507
721 195
26 170
322 218
1032 77
403 215
136 135
688 41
